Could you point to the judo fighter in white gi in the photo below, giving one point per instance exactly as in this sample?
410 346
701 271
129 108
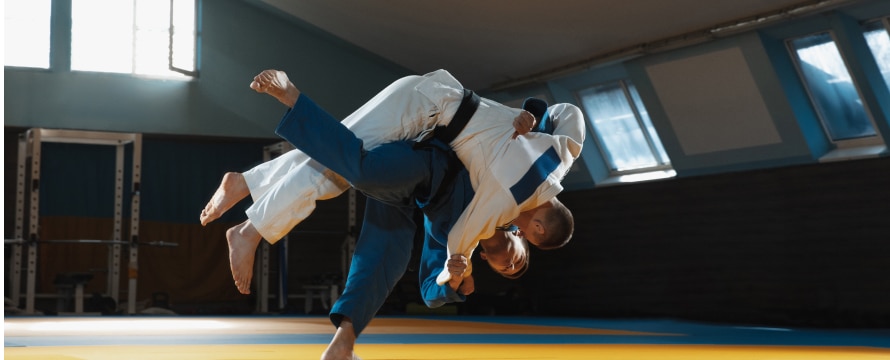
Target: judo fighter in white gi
516 178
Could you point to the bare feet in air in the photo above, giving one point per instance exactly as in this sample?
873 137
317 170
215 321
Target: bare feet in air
343 343
243 240
276 83
231 190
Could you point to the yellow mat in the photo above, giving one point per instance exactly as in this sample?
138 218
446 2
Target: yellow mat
445 338
445 352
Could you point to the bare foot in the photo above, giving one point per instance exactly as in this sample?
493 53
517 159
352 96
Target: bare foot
342 346
231 190
243 240
276 83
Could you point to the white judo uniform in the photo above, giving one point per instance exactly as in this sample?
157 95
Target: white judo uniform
508 175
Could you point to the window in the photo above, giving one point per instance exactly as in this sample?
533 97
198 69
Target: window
831 89
144 37
879 42
623 129
27 33
183 37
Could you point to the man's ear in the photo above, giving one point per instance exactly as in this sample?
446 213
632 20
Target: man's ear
482 255
538 227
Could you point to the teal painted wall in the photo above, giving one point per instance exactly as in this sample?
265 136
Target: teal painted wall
239 39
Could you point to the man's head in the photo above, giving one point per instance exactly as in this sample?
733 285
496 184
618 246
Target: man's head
507 254
549 226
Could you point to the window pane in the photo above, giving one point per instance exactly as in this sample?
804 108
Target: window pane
102 35
624 143
152 37
125 36
647 122
831 88
27 33
184 35
879 43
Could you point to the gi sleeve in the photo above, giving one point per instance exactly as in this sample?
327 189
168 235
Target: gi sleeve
491 206
568 123
434 295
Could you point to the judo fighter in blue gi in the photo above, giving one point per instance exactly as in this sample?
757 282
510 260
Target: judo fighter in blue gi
398 178
516 178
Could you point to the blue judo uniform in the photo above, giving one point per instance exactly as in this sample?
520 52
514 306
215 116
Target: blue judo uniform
399 178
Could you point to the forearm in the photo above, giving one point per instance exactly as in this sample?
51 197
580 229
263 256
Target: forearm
433 294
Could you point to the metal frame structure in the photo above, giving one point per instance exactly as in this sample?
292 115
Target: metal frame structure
263 252
262 263
28 196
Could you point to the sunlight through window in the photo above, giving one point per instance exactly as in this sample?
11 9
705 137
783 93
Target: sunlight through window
27 33
831 88
879 42
131 36
622 127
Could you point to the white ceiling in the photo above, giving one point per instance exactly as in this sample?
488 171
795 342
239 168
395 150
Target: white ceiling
488 43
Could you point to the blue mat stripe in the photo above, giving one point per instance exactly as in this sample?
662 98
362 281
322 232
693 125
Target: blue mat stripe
718 338
688 333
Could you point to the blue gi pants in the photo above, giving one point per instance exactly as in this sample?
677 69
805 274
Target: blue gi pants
397 178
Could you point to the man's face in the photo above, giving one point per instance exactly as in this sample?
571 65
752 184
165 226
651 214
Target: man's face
508 259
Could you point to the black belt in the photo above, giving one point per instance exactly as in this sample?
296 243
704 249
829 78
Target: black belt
453 167
446 134
465 111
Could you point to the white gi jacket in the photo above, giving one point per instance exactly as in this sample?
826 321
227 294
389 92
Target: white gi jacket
286 188
508 175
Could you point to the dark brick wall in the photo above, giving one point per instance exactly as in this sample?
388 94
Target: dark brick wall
804 245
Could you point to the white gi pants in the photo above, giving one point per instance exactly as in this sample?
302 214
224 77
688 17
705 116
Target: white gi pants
285 189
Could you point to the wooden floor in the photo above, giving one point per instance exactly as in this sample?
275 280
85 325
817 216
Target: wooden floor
442 337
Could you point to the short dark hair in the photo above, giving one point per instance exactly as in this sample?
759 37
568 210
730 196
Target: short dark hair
559 227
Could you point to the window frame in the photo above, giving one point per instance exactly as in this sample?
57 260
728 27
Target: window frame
60 55
860 142
885 23
170 44
49 54
664 165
